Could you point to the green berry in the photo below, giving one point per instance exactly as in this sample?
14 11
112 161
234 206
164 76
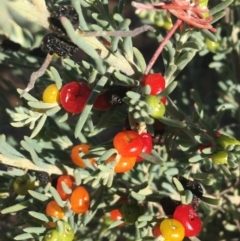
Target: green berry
51 235
156 107
220 158
225 141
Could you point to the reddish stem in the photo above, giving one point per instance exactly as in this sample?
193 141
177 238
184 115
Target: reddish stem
161 46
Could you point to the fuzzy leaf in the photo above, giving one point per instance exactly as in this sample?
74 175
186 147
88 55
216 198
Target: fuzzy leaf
39 196
36 230
24 236
15 208
39 216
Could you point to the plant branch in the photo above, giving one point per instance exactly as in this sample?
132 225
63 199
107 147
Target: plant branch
161 46
26 164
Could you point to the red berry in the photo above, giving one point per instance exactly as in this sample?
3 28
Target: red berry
101 103
189 219
69 182
124 164
164 100
147 145
156 82
115 215
202 147
217 133
54 210
80 200
76 155
156 230
73 96
128 143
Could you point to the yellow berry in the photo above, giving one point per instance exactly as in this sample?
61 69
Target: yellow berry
51 94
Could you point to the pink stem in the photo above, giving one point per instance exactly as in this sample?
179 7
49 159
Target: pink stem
161 46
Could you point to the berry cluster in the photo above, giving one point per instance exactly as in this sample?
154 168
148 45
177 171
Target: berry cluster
73 97
129 146
78 200
157 84
184 220
77 196
221 149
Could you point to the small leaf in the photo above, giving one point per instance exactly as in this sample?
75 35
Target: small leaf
63 118
38 196
226 171
24 236
197 99
218 16
171 171
80 42
168 90
39 216
87 110
170 50
172 122
141 224
196 158
77 177
41 105
221 6
209 35
115 224
8 151
53 110
184 59
36 230
191 45
56 196
15 208
171 69
145 218
139 59
178 184
124 80
133 95
56 77
39 126
212 201
26 96
174 111
137 196
189 196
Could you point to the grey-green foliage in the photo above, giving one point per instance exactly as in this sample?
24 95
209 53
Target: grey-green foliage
52 137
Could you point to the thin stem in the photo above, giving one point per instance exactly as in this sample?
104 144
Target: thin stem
161 46
37 74
131 33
